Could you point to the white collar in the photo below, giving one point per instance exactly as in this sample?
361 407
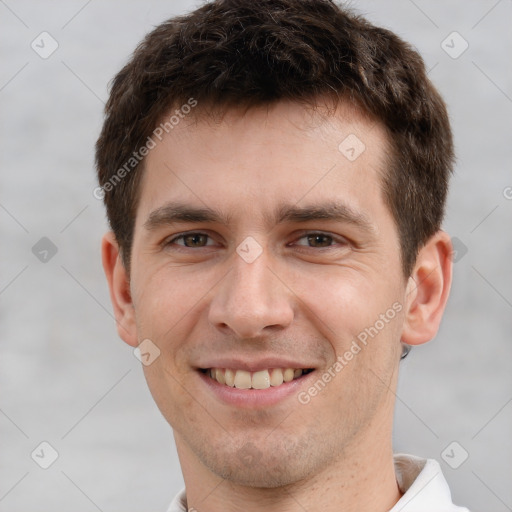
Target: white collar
423 484
421 480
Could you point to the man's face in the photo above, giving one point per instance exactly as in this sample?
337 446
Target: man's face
271 284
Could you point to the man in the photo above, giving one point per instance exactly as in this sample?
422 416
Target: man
275 174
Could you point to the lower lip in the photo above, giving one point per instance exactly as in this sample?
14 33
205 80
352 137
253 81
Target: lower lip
253 398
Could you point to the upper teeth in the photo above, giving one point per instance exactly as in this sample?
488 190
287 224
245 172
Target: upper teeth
262 379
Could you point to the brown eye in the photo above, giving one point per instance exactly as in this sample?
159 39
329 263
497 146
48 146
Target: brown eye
319 240
195 240
191 240
316 240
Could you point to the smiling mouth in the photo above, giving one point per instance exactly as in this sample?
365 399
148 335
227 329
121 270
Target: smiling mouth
263 379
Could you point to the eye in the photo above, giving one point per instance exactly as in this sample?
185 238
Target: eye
190 240
319 240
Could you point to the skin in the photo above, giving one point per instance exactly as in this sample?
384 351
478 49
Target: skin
305 297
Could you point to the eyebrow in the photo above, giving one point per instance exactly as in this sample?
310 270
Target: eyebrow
172 213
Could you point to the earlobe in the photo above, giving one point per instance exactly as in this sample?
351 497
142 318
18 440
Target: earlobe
119 287
428 290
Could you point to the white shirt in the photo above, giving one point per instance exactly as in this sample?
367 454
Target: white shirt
420 480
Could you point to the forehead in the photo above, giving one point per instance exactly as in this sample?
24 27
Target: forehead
256 158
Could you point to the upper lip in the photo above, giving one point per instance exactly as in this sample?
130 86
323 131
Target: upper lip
253 365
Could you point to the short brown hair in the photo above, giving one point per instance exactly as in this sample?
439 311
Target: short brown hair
231 53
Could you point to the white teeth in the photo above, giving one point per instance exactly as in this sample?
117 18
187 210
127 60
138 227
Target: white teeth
263 379
276 378
288 374
229 376
242 379
219 376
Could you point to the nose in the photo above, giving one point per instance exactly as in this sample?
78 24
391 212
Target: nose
251 300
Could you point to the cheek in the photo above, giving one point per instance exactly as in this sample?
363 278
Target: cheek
344 302
168 389
166 310
169 311
168 297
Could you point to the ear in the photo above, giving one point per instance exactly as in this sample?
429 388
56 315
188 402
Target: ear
119 285
428 289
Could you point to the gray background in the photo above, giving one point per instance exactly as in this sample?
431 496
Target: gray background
66 378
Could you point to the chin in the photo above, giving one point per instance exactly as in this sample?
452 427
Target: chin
260 466
258 476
